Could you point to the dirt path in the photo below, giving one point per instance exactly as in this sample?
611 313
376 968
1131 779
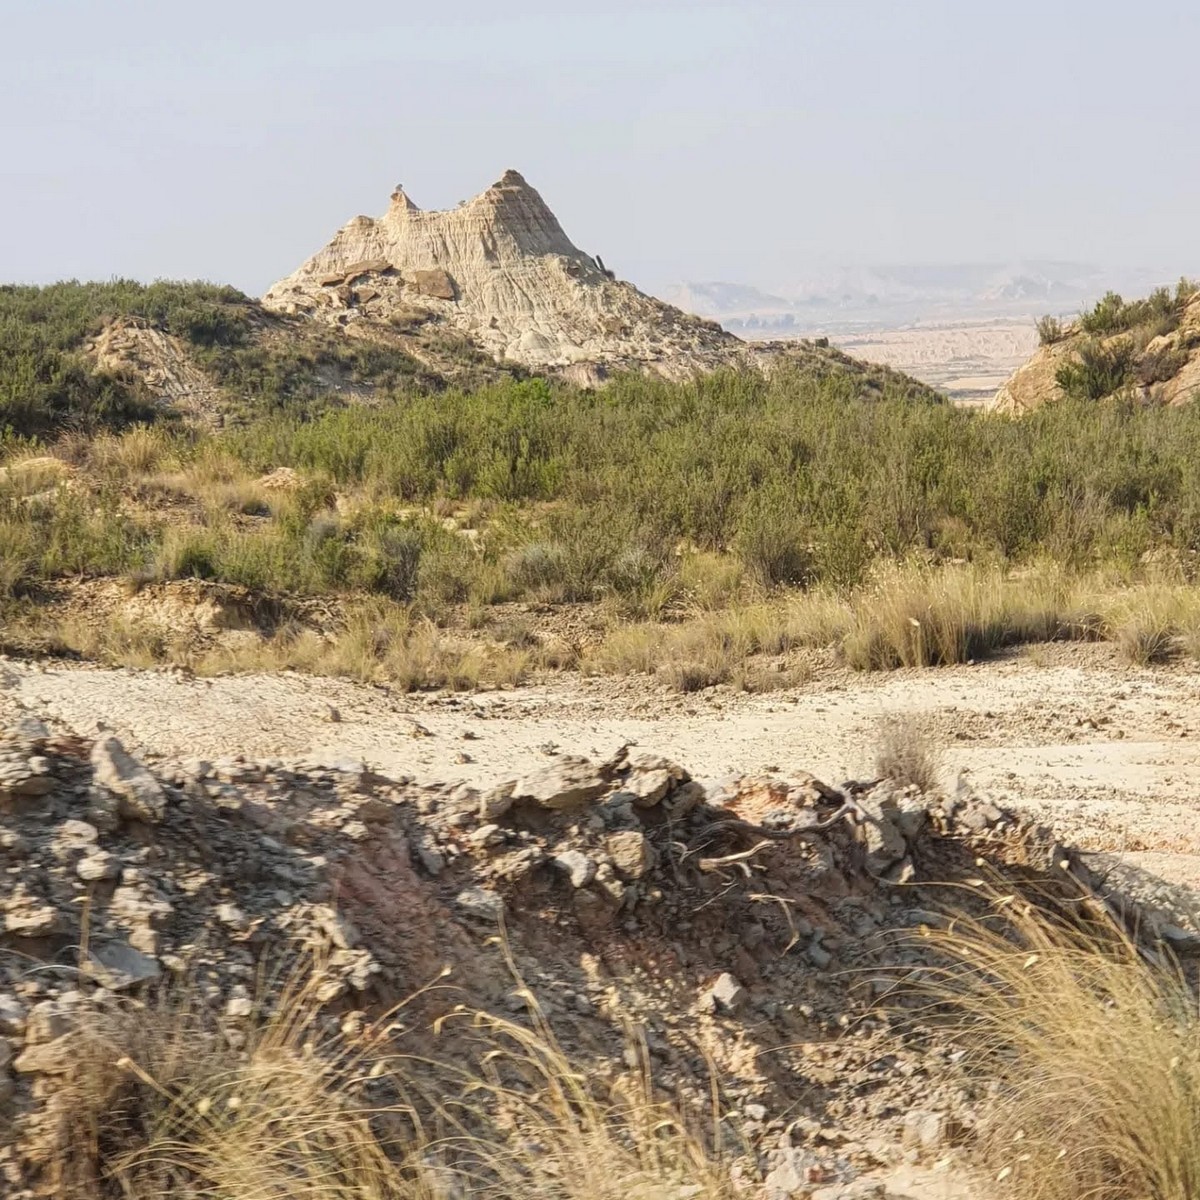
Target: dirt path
1112 752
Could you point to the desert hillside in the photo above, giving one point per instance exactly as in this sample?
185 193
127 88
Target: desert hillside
499 271
410 304
85 356
405 746
1146 349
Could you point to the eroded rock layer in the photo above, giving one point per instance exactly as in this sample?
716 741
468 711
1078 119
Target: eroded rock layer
500 269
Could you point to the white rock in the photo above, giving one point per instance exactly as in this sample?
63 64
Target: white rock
580 869
139 794
727 994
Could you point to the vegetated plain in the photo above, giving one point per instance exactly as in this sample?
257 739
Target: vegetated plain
734 528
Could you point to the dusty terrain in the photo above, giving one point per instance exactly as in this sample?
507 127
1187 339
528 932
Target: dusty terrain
253 804
966 360
748 924
1106 751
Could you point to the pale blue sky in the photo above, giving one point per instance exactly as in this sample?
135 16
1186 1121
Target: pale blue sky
228 140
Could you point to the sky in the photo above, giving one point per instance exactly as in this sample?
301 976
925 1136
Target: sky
681 140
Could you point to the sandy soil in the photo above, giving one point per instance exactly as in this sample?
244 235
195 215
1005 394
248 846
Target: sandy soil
1109 752
967 360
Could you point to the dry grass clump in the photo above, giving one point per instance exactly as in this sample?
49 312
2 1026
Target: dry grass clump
1153 622
553 1131
1091 1053
908 753
138 452
917 617
377 642
1145 637
710 581
717 647
117 640
161 1103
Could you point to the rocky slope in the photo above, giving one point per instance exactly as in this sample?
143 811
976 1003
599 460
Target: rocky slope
1157 361
749 926
500 271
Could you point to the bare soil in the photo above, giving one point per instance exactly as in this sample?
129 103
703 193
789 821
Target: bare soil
1107 752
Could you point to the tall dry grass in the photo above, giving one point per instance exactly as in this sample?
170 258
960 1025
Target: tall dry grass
915 615
907 752
161 1102
302 1107
1091 1055
375 642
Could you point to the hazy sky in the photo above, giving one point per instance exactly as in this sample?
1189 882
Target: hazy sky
229 140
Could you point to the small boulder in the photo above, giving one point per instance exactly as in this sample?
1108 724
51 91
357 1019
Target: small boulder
434 283
650 778
480 902
631 854
567 782
28 918
140 796
579 869
118 966
727 995
496 802
98 865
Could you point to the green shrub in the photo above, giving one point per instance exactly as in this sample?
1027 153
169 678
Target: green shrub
1160 312
1050 330
773 542
1097 371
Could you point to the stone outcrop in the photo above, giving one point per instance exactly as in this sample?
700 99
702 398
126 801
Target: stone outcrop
166 367
1162 370
500 269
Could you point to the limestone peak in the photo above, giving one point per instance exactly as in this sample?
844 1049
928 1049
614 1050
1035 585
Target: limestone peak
501 269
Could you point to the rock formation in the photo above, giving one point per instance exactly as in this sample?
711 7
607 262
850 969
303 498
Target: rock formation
1157 367
162 362
500 269
627 905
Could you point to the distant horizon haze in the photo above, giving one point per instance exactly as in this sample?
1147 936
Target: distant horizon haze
680 141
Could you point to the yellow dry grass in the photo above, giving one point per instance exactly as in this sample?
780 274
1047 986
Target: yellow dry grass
1090 1052
160 1103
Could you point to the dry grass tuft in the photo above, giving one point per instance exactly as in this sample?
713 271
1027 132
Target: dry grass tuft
1092 1055
138 452
1153 622
159 1103
552 1131
1145 637
377 642
917 617
908 754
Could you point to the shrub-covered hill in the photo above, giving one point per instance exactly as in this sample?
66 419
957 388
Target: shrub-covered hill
91 355
1147 350
87 356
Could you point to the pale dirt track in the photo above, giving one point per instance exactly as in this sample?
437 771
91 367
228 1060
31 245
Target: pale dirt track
1110 753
